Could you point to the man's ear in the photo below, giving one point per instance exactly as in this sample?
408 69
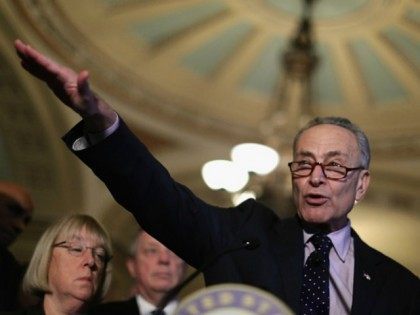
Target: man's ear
362 184
130 263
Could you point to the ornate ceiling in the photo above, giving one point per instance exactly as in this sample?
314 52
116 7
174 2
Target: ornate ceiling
194 77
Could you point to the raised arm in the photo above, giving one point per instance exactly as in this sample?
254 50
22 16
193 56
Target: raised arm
70 87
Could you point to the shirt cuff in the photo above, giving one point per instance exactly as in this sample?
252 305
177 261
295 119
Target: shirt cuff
90 139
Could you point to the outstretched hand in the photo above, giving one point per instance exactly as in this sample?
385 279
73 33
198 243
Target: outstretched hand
70 87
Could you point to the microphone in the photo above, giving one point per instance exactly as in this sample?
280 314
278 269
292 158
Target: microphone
249 244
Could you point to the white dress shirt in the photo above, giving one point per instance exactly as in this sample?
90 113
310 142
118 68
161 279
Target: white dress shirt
147 308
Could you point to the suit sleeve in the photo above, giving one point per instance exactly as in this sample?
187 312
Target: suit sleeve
166 209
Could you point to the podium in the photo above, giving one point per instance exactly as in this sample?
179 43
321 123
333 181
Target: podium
232 299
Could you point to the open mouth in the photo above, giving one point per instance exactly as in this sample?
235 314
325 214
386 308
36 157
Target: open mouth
162 275
315 199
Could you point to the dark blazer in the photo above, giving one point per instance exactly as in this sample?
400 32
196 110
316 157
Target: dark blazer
33 310
10 279
39 310
128 307
196 231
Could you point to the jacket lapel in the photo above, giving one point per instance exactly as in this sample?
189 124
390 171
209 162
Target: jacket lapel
367 279
132 306
288 249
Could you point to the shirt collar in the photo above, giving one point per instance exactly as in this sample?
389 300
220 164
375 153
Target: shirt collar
340 239
146 307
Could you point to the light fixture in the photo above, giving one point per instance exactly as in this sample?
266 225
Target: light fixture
257 172
255 157
234 175
224 174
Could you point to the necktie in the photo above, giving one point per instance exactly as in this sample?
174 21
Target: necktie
158 312
315 295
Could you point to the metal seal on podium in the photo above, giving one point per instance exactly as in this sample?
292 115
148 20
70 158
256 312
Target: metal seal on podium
232 299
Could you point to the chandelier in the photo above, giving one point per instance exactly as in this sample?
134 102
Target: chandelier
254 169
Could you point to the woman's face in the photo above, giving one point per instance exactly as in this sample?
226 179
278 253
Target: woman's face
77 267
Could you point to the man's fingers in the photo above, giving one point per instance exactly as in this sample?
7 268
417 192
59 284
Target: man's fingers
20 49
83 84
19 46
33 58
25 51
43 67
90 105
36 71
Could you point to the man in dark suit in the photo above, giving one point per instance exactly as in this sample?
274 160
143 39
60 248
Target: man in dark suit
155 270
314 261
15 213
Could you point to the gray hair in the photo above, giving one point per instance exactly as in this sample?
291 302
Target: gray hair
361 137
35 280
132 249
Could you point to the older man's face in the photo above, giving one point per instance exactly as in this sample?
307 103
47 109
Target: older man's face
321 201
155 267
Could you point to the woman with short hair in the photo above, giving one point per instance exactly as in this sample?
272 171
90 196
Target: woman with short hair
70 268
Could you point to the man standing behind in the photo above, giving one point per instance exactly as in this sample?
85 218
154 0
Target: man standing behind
15 213
155 270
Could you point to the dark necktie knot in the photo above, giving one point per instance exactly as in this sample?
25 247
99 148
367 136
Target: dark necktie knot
158 312
321 242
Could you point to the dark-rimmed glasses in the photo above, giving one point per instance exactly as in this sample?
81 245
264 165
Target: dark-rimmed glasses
77 249
331 170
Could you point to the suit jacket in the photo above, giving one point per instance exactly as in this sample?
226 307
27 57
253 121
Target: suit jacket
10 275
37 310
34 310
128 307
196 231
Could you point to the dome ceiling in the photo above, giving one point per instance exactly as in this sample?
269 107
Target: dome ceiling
208 72
221 59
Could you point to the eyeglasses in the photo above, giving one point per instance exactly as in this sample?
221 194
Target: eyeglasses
331 170
78 249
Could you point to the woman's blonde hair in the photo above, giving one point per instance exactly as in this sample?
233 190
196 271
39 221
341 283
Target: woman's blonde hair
35 280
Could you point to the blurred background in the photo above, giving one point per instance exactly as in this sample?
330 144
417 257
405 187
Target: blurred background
193 78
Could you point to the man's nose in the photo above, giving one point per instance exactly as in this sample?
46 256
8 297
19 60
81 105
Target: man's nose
164 256
317 176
